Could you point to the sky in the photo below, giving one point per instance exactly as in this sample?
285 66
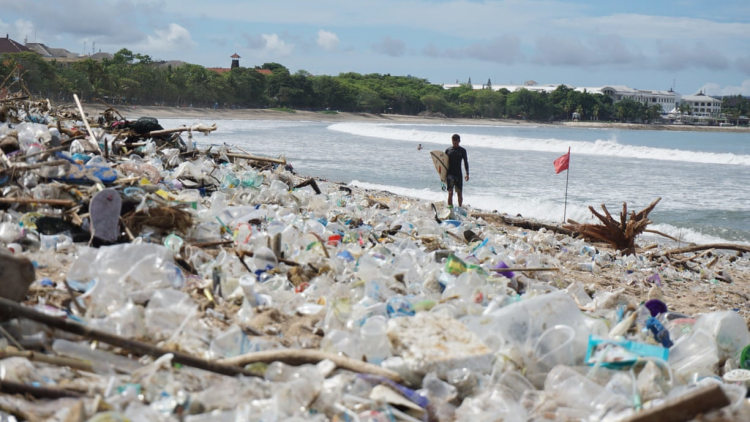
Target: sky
691 45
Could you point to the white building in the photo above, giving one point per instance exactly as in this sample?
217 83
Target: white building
667 100
702 105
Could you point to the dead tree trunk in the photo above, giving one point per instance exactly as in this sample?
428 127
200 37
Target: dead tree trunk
620 234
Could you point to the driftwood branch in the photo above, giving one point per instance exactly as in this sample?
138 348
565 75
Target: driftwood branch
662 234
309 182
242 254
197 128
695 402
521 269
55 202
10 387
522 223
728 246
304 356
8 307
281 161
52 360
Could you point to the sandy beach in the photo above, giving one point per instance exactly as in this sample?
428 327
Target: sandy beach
268 114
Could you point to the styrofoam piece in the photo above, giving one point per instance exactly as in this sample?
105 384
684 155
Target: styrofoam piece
435 343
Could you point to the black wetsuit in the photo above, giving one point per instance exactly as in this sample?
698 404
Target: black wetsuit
455 176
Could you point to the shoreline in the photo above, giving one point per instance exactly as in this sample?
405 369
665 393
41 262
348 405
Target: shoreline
303 115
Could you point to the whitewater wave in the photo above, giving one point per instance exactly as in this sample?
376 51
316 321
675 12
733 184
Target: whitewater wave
609 147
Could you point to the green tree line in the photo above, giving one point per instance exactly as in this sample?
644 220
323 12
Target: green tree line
132 78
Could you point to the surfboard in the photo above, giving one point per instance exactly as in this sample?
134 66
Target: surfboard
440 160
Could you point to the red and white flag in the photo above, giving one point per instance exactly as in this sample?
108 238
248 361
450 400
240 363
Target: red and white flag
562 163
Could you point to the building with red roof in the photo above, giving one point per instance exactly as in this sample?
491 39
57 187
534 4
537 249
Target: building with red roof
236 63
7 45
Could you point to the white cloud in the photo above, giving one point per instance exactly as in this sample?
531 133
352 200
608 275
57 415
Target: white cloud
18 30
637 26
713 88
276 45
173 38
469 18
327 40
677 56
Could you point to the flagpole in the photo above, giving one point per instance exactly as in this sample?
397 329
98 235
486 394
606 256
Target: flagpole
567 177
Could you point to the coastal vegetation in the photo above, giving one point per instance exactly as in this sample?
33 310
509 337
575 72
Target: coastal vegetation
135 79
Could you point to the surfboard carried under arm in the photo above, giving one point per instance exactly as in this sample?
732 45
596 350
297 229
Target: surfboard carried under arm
440 160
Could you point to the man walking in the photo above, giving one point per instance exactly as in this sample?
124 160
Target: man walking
455 179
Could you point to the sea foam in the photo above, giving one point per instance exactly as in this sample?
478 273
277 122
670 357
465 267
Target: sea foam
602 147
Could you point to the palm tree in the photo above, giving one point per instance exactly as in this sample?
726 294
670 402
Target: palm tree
596 112
567 107
655 112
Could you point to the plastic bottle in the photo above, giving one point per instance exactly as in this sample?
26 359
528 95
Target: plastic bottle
660 333
374 341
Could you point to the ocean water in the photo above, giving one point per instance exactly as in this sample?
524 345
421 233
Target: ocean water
703 178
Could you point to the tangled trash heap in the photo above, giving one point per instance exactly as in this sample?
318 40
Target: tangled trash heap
145 278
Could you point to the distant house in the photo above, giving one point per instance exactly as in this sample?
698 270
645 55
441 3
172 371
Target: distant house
173 63
219 70
7 45
49 52
62 55
100 56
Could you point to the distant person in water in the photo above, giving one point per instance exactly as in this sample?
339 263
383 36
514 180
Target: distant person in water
455 179
419 148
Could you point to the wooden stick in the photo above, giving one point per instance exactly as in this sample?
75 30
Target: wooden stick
198 128
73 296
24 167
522 223
17 412
309 182
242 254
10 338
86 122
303 356
46 151
323 244
662 234
507 270
686 407
12 308
55 202
53 360
252 157
694 257
209 244
729 246
10 387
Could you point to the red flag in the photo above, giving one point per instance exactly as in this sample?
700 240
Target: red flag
562 163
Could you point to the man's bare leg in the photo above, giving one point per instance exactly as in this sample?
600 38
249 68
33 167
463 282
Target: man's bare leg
450 197
460 198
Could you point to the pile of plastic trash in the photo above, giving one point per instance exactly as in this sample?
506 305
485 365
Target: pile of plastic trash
343 305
